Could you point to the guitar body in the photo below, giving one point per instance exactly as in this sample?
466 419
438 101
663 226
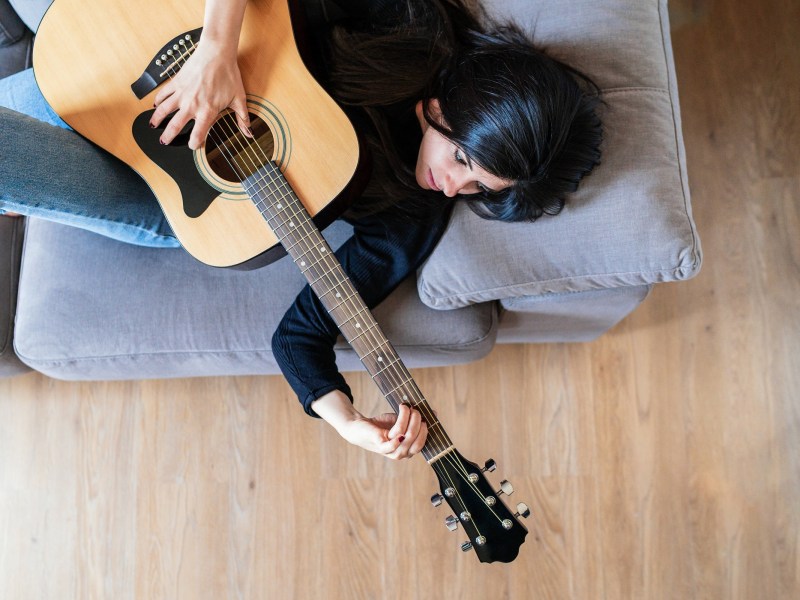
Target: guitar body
88 53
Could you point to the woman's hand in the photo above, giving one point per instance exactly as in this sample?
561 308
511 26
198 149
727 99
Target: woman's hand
209 81
395 436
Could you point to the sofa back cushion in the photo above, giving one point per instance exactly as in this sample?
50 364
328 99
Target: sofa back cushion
630 221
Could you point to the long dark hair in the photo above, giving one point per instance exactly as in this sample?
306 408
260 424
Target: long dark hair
510 107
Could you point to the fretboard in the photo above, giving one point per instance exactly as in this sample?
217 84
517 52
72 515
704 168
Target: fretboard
294 228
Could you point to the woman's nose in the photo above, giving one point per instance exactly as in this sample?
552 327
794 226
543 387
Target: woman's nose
450 186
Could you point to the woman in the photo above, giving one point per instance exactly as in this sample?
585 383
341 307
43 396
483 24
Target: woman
452 111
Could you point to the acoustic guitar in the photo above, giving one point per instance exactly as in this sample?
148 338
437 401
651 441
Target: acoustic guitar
98 64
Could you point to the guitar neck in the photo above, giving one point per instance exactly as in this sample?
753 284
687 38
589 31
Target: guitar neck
294 228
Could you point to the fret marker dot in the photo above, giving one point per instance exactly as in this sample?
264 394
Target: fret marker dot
405 397
291 223
338 295
380 359
358 325
303 264
322 249
280 205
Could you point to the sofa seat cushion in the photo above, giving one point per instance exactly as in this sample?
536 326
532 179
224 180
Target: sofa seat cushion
93 308
630 222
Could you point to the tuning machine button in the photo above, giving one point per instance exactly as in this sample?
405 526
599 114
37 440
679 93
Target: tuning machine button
451 522
522 510
489 465
505 488
466 546
437 499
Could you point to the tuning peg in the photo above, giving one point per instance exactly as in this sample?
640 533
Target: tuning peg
451 522
466 546
522 510
437 499
505 488
489 465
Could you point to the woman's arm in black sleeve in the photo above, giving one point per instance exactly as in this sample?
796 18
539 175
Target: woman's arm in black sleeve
379 256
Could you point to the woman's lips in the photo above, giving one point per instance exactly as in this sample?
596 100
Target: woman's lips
432 182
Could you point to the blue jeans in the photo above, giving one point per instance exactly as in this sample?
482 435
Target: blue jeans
50 172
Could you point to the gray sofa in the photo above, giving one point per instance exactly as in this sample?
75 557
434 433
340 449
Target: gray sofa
77 306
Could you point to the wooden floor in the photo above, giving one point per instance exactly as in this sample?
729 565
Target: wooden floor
661 461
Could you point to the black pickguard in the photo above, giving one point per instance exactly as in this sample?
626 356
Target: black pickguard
177 160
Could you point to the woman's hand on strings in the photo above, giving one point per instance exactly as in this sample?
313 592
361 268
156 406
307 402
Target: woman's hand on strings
208 83
395 436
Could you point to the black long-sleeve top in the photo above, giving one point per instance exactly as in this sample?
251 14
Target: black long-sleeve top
381 254
384 250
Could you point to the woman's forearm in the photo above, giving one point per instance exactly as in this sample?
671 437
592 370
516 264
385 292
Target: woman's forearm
335 408
222 23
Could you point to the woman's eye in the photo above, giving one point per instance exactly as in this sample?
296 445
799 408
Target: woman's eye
458 157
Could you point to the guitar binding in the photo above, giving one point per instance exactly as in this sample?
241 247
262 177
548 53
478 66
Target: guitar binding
164 61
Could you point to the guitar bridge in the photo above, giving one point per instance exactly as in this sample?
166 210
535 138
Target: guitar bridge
166 62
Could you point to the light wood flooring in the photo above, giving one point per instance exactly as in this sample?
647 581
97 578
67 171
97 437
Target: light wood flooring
661 461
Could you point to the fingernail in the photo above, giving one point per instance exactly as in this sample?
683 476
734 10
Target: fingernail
152 126
401 438
248 131
163 143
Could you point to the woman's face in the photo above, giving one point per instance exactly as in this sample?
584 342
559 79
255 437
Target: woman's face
443 167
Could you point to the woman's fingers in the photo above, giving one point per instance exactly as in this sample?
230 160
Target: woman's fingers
401 424
204 87
414 438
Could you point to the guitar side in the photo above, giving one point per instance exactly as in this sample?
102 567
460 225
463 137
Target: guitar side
88 54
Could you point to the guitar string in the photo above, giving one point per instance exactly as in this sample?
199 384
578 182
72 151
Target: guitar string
448 458
234 131
254 164
378 344
375 346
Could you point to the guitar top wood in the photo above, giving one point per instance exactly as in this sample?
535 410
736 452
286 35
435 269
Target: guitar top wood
87 56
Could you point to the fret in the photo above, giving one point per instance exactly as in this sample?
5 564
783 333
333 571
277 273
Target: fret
383 347
350 297
344 281
275 214
307 265
316 267
363 330
297 239
317 251
380 356
362 308
389 365
401 385
434 423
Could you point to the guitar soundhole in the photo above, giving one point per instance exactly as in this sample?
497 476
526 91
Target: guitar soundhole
232 155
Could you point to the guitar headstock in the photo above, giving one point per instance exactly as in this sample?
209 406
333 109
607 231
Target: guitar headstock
495 533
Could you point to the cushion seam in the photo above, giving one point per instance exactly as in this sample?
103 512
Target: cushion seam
671 80
555 280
